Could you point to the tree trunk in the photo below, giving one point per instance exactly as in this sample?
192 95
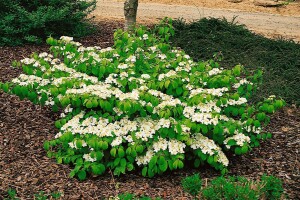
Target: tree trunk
130 11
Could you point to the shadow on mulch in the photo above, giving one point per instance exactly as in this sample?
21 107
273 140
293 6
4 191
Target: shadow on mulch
25 126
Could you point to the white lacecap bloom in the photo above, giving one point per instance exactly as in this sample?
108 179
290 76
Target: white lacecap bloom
145 76
240 101
66 39
240 139
175 147
131 58
154 48
162 56
145 37
144 160
123 66
27 61
187 56
43 55
123 74
117 141
242 82
214 71
161 144
87 157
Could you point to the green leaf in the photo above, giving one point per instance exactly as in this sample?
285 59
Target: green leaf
144 171
57 124
130 167
79 144
113 152
104 145
175 164
123 162
210 160
128 151
46 145
197 163
244 149
270 109
179 90
121 152
238 150
167 83
150 173
89 104
117 161
81 175
152 162
5 87
72 173
261 116
139 149
98 169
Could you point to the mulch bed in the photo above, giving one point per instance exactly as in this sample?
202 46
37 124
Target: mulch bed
25 126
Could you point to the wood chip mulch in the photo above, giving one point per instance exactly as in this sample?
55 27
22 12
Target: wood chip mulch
25 126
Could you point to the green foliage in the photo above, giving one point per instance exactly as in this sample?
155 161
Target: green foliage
39 196
143 104
278 58
32 21
12 193
192 184
272 188
235 188
231 188
129 196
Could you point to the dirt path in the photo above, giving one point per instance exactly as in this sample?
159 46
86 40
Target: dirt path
270 25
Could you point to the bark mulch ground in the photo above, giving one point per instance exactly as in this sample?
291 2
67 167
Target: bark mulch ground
25 126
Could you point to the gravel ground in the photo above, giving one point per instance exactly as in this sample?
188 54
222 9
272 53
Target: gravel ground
268 24
24 165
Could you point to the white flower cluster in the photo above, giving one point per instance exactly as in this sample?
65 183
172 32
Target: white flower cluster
201 117
240 101
169 74
144 160
24 80
242 82
214 91
240 139
87 157
175 147
253 129
66 39
214 71
208 146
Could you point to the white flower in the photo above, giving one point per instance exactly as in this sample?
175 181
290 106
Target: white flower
144 160
162 56
214 71
122 66
240 139
145 37
145 76
66 39
117 141
131 59
87 157
161 144
176 147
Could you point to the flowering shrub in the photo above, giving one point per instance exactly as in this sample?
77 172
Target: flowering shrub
142 104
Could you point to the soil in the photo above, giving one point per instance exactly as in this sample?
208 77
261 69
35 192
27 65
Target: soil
291 9
272 22
25 126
